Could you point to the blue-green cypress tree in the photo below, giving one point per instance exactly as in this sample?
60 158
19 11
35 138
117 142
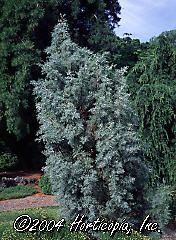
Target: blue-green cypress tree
88 128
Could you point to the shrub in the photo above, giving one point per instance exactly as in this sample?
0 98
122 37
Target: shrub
117 236
160 199
88 128
45 184
173 205
7 161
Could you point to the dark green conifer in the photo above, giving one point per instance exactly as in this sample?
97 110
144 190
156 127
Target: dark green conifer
152 84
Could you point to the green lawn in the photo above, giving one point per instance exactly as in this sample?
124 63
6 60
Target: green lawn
48 213
8 233
7 216
16 192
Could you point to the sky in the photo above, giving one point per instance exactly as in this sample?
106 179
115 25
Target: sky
145 19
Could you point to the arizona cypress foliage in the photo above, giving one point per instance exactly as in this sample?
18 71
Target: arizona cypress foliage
88 128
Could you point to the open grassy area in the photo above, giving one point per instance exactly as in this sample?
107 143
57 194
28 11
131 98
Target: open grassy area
16 192
7 216
48 213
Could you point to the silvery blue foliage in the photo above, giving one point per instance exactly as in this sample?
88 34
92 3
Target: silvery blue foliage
88 128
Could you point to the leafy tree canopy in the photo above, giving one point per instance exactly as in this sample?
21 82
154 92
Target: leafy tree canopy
152 84
170 35
122 51
25 31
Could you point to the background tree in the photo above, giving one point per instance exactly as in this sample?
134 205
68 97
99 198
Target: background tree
122 51
171 36
152 83
88 128
25 32
83 15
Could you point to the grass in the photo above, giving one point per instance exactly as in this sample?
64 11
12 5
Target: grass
16 192
7 216
8 233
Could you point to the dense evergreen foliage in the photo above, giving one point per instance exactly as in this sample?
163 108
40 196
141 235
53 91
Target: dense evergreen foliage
22 27
25 32
88 128
152 83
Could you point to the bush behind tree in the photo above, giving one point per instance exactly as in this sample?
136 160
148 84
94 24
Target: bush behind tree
8 161
45 184
152 86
